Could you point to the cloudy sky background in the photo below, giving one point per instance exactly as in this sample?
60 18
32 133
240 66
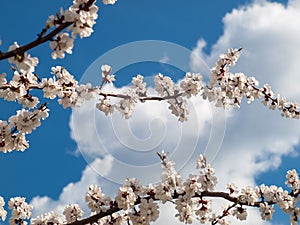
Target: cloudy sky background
247 146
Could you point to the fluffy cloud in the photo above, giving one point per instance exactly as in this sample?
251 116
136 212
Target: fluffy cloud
43 204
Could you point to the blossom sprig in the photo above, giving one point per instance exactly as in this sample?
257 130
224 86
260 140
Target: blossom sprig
13 132
79 18
224 88
192 198
62 43
228 89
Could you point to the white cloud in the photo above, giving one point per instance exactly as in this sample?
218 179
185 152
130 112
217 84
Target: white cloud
255 137
195 60
75 192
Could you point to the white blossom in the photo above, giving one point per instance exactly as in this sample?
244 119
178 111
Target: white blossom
125 197
185 210
191 185
67 86
204 210
96 200
248 195
137 219
136 186
26 121
24 77
47 218
60 45
72 213
294 216
106 69
29 101
23 62
178 107
284 200
20 210
3 212
106 76
11 141
18 142
105 106
232 188
266 211
240 213
163 193
171 179
139 85
126 105
269 193
109 2
201 162
166 88
15 91
149 210
292 179
208 179
191 84
223 222
83 20
85 93
164 85
50 87
3 78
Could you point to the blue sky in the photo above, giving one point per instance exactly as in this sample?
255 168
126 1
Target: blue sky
261 144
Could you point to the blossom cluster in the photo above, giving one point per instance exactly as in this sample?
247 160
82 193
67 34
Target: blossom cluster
175 95
12 133
226 88
21 210
47 218
23 62
72 213
82 20
66 88
193 199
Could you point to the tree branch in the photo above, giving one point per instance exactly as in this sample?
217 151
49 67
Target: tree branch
40 40
142 99
104 94
115 208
